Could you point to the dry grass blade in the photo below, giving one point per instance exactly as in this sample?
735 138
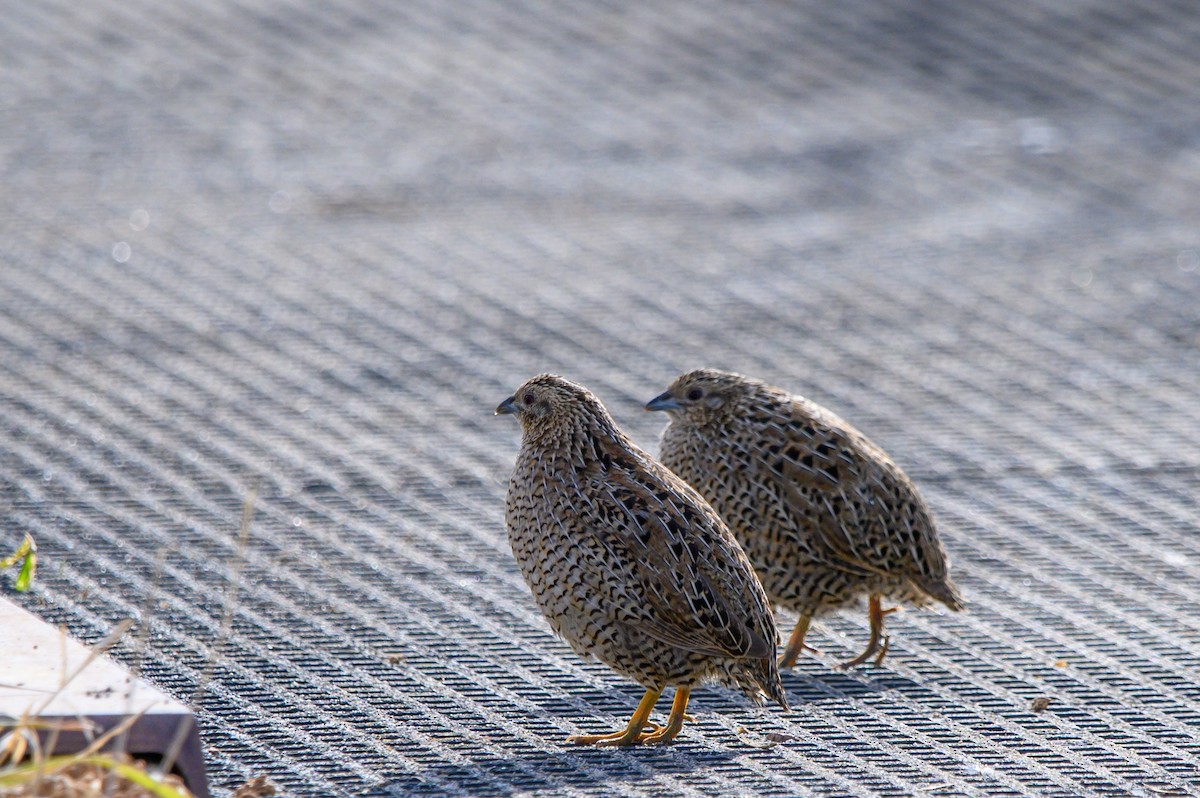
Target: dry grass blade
90 772
96 651
84 776
22 736
226 628
79 773
76 774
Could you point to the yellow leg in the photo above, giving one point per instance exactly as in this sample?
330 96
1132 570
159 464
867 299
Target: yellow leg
675 722
633 733
877 646
796 643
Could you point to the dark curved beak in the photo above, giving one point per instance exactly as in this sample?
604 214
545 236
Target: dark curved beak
508 407
664 401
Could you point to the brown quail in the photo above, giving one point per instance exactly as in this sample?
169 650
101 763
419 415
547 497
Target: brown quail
628 563
823 513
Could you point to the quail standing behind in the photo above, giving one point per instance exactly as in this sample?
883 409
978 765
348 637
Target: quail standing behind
628 563
823 513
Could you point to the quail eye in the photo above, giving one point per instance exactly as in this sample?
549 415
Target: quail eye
695 394
528 399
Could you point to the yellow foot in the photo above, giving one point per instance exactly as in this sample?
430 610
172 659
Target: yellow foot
664 735
877 646
636 732
622 737
887 641
633 733
796 643
674 721
789 658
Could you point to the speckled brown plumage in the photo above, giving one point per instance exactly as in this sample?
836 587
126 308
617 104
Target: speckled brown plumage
628 563
824 514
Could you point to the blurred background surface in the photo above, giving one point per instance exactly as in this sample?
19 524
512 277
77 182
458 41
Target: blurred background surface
306 249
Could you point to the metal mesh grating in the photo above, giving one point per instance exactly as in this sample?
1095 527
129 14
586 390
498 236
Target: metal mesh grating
308 248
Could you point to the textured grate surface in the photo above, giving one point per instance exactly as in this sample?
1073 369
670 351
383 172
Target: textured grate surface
308 247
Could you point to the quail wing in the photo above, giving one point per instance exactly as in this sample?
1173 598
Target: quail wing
825 468
694 576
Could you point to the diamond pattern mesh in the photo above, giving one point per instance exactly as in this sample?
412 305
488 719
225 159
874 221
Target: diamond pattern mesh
305 249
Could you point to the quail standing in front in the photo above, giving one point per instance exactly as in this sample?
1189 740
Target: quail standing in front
628 563
823 513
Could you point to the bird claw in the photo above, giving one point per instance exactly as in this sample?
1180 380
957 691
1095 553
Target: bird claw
887 640
622 737
616 738
660 737
664 734
873 648
787 661
878 637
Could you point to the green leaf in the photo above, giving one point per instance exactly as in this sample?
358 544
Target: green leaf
142 779
25 575
26 554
